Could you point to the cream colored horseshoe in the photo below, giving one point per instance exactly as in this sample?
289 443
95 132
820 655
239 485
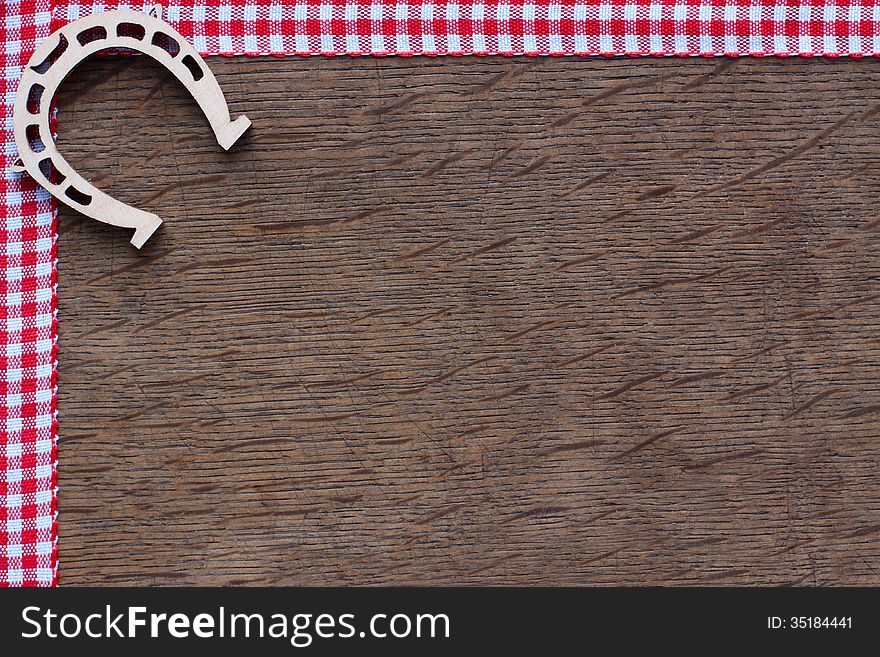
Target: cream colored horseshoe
51 63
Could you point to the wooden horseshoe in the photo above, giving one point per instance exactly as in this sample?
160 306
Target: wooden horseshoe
51 63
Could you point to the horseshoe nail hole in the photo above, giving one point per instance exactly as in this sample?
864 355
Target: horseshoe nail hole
92 34
34 96
75 195
194 68
118 50
131 30
53 56
47 168
33 138
166 43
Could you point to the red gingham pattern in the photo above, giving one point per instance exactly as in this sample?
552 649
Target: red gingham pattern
27 334
28 517
511 27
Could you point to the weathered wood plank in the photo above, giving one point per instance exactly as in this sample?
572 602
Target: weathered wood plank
476 321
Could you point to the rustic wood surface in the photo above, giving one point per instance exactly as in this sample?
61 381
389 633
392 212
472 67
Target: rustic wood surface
485 321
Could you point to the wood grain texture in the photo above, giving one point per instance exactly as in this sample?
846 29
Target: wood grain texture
486 321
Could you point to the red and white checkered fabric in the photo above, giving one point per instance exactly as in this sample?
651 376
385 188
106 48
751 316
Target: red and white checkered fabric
28 518
511 27
27 333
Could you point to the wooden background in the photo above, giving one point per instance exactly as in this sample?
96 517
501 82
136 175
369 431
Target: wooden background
484 321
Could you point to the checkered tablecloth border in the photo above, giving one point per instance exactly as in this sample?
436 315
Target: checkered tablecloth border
27 335
532 27
28 473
